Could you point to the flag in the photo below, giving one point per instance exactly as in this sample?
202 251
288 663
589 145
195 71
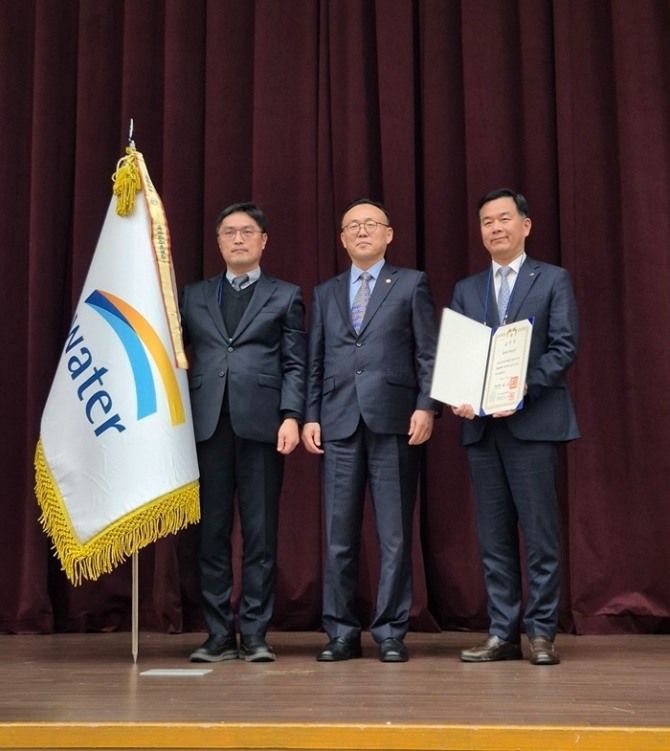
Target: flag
115 463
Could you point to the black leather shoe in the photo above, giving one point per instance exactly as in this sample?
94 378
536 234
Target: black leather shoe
543 651
216 648
392 650
491 650
339 649
254 648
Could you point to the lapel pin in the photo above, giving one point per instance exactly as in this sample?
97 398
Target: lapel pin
388 281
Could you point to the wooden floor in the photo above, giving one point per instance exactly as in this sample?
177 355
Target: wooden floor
83 691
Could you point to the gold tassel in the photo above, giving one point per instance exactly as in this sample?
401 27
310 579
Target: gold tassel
126 183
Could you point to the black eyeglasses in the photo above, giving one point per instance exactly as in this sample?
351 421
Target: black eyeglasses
353 228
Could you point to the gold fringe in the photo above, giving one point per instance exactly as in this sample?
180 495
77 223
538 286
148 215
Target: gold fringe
158 518
126 183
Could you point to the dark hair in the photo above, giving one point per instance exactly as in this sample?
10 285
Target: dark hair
376 204
519 200
246 208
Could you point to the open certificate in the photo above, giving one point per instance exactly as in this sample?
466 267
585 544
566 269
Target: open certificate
481 366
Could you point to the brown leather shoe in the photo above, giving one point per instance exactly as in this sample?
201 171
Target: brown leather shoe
492 650
543 651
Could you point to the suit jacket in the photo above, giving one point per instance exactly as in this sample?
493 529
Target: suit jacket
262 363
382 374
543 292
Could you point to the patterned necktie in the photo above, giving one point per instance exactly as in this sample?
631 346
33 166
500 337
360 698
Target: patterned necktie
503 293
238 281
361 301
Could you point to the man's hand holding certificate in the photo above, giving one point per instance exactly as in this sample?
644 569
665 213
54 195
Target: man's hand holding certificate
481 366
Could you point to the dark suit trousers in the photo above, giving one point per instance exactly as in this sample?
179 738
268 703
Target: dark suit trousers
390 466
514 485
255 470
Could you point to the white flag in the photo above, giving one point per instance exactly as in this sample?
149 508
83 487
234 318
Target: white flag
116 465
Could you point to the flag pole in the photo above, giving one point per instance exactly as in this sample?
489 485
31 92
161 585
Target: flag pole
135 612
135 619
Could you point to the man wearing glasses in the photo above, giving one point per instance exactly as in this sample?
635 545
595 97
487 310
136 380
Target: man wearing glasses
371 349
246 380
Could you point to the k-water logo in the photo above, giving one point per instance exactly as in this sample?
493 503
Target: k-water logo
138 338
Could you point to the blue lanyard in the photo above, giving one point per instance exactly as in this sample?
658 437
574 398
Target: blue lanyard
488 293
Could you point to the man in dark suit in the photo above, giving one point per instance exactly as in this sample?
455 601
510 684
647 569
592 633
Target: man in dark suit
512 455
371 350
246 381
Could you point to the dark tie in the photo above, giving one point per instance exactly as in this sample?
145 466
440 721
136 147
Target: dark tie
361 301
503 293
238 281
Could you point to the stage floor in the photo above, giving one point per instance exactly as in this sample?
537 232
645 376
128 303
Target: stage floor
83 691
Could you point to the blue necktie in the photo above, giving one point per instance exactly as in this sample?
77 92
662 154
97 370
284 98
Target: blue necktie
361 301
503 293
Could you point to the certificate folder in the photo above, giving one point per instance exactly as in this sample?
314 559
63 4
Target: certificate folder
481 366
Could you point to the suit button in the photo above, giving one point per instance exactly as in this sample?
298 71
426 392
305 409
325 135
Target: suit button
221 373
230 349
358 344
359 371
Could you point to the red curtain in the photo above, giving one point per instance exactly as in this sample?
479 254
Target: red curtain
303 106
